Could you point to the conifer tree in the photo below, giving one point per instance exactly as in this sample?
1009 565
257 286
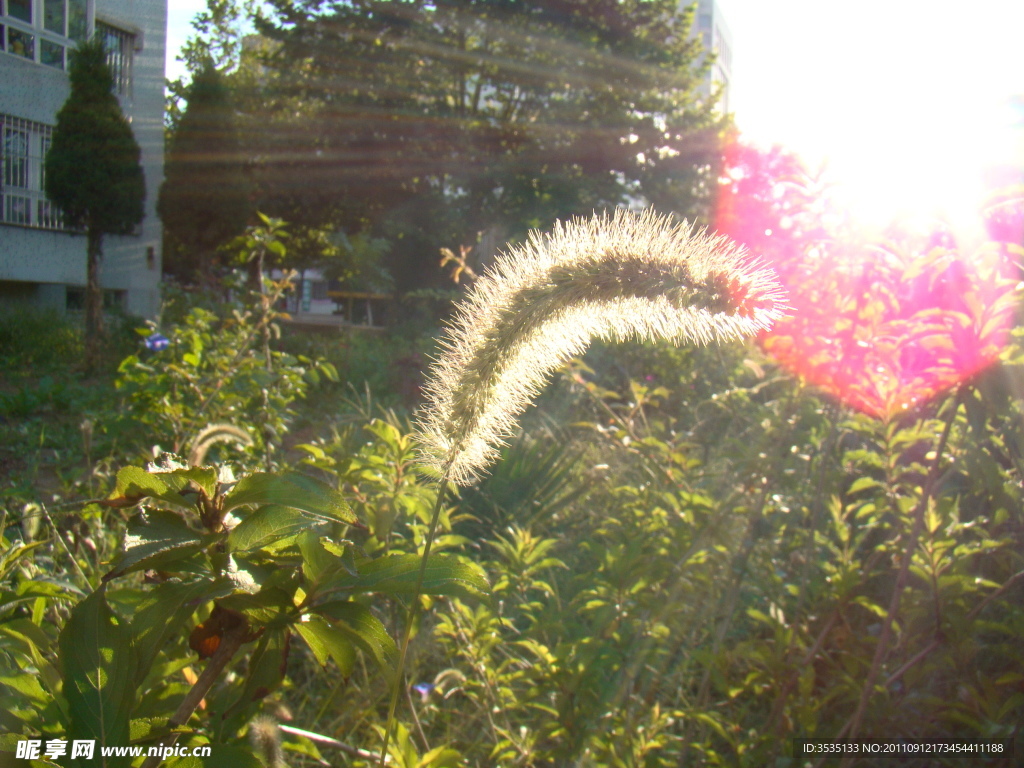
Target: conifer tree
93 172
204 201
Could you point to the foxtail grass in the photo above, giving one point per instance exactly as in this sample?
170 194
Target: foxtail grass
619 276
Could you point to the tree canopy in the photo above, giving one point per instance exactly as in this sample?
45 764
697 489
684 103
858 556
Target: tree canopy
205 198
435 121
92 169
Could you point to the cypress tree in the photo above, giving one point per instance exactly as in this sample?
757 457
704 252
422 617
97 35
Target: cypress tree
204 201
93 172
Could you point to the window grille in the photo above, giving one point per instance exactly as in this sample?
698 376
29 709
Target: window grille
23 146
120 47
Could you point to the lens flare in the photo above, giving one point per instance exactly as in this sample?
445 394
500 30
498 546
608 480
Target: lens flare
885 323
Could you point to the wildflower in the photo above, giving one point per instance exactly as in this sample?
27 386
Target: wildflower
155 342
424 690
622 276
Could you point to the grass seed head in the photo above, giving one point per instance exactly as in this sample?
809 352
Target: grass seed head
618 276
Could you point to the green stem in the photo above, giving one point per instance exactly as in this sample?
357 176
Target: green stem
442 487
852 727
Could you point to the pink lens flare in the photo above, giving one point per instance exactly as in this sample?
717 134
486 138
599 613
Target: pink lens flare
885 324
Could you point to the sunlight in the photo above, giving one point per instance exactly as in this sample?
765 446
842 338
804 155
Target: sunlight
883 320
913 108
938 168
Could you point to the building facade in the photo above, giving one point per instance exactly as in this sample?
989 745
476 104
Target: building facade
41 260
710 24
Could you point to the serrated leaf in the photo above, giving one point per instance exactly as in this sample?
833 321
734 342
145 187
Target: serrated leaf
291 490
364 629
135 484
267 525
146 728
99 665
328 641
397 574
155 538
203 477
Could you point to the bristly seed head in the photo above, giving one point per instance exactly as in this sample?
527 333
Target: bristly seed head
621 276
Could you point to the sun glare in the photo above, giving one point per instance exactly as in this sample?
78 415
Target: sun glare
941 164
903 125
914 108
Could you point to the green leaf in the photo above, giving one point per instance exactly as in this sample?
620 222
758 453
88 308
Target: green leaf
441 757
135 484
164 610
265 526
329 371
862 483
28 686
364 629
266 665
30 590
8 753
291 490
396 574
156 538
316 561
864 602
203 477
22 636
9 558
761 616
147 728
99 674
327 641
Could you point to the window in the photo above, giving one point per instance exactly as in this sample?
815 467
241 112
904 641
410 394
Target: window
77 20
120 47
23 145
20 10
54 15
21 43
42 37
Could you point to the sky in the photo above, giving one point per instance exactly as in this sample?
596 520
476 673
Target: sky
905 102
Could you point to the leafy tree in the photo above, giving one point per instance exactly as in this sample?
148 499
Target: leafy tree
205 198
439 120
218 36
92 169
218 39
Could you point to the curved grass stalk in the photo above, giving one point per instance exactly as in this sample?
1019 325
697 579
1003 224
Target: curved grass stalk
618 276
621 276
